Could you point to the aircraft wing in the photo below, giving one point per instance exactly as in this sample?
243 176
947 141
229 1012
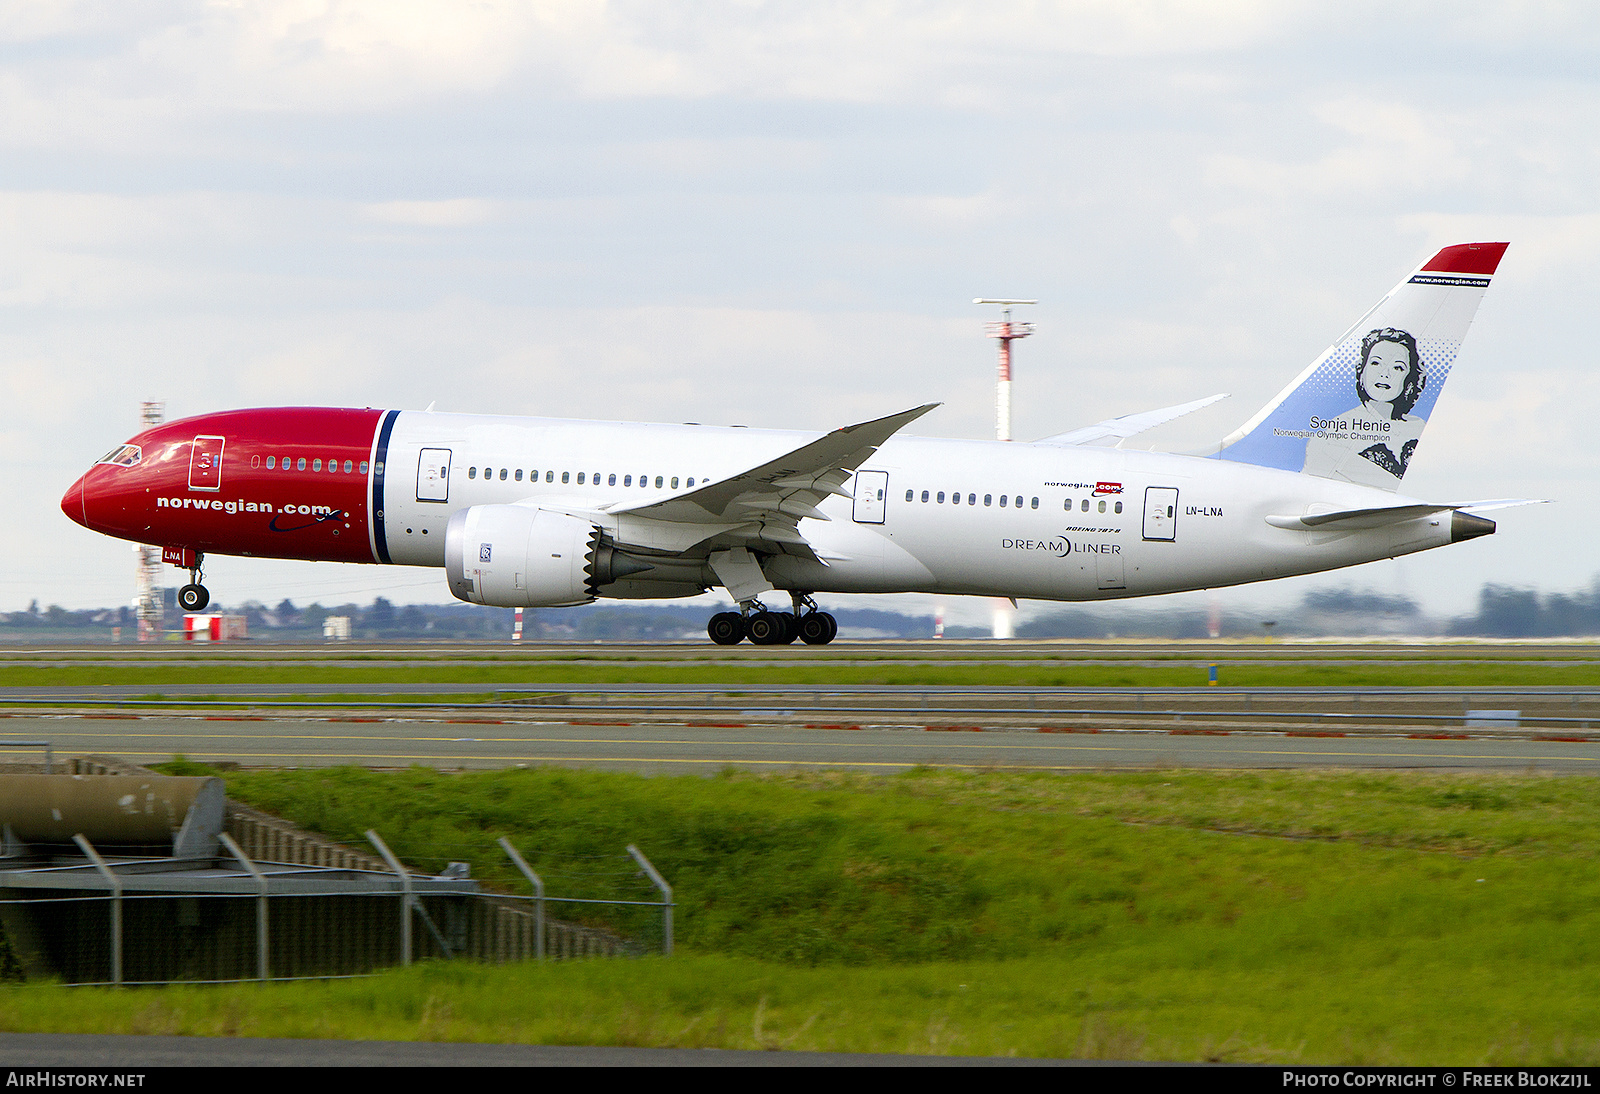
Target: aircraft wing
761 507
1129 424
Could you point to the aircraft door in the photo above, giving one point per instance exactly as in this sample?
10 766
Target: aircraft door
872 488
205 463
1161 513
433 475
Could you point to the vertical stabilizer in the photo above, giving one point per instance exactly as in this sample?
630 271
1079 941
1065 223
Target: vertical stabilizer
1358 412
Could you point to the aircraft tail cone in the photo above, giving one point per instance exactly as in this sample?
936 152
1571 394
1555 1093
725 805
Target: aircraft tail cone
1466 526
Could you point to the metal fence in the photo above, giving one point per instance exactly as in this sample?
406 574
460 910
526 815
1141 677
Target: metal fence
277 902
340 926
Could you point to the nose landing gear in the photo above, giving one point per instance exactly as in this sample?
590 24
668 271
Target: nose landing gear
194 596
769 628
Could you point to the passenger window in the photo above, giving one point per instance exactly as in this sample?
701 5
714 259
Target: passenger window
255 462
941 497
908 495
611 480
674 482
503 475
271 462
316 465
1119 507
627 480
472 472
1003 501
1019 501
349 466
1085 506
1102 507
987 498
690 482
363 467
1036 505
549 476
658 482
580 478
972 499
566 476
518 476
924 497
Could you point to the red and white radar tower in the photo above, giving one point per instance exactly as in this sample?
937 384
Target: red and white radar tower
1005 611
1007 332
147 600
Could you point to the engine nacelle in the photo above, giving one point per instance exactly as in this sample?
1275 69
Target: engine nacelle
511 556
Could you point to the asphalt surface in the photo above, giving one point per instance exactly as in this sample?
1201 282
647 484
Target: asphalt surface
668 747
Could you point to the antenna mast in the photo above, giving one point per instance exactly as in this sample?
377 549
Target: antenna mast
1007 332
1005 611
147 598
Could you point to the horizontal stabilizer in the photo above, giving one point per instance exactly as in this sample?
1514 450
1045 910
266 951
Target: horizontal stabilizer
1382 516
1356 519
1129 424
1499 503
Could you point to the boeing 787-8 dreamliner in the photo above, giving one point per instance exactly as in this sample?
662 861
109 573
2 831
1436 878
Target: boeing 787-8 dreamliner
541 512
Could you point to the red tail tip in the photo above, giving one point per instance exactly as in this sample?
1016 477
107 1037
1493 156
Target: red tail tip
1468 258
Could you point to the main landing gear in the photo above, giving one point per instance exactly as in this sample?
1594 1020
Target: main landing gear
194 596
769 628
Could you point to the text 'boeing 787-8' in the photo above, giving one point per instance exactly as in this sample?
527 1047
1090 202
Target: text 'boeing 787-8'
541 512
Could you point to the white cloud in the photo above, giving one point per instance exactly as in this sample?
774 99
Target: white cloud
449 213
777 214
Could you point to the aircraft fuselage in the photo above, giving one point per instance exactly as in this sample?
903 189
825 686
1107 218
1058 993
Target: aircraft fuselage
924 515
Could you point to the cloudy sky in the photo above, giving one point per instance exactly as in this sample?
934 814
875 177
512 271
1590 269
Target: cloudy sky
777 214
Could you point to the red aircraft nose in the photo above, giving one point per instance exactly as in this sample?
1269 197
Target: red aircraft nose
72 503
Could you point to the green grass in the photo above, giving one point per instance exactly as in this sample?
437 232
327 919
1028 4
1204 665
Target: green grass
1277 916
1412 1008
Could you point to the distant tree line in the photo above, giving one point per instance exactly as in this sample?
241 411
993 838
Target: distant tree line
1502 612
1506 612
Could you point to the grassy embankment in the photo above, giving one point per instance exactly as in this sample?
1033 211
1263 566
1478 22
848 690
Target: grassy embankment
369 680
1378 918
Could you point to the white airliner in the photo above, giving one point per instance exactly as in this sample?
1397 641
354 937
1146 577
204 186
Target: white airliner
542 512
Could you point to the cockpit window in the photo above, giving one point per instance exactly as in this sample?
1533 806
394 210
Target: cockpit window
124 455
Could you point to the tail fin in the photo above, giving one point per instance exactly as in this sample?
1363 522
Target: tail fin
1357 413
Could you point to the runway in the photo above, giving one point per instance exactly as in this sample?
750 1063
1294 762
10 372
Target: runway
882 706
705 748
